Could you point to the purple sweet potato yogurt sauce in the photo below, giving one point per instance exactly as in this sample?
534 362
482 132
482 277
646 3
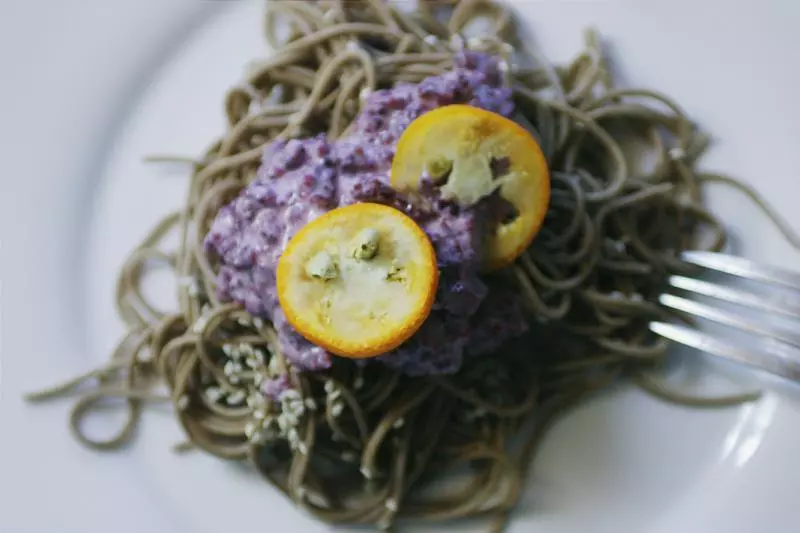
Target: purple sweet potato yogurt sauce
301 179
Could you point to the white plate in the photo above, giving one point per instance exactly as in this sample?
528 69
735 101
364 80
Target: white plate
90 87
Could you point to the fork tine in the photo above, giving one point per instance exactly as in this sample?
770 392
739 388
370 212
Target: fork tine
779 304
773 356
744 268
727 319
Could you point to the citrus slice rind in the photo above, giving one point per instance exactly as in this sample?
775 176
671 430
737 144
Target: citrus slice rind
359 280
469 154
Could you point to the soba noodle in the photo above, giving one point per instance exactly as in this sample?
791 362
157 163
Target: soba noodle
365 444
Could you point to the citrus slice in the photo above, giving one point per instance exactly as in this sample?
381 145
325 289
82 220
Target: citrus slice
470 154
359 280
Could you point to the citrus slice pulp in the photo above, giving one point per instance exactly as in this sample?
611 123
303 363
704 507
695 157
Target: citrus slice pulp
469 154
359 280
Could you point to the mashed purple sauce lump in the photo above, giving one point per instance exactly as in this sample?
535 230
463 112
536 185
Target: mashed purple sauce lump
301 179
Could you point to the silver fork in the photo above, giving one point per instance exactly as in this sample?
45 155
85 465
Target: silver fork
774 349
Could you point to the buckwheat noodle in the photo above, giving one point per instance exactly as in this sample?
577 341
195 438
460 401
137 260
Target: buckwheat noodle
368 445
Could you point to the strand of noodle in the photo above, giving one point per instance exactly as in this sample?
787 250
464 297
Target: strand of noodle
384 13
90 400
468 10
221 189
409 25
789 233
350 29
660 390
327 74
158 158
474 399
368 458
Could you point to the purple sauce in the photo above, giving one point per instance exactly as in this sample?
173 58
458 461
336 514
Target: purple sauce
273 388
301 179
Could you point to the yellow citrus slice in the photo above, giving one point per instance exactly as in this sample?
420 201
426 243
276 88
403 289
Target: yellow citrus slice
471 153
359 280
